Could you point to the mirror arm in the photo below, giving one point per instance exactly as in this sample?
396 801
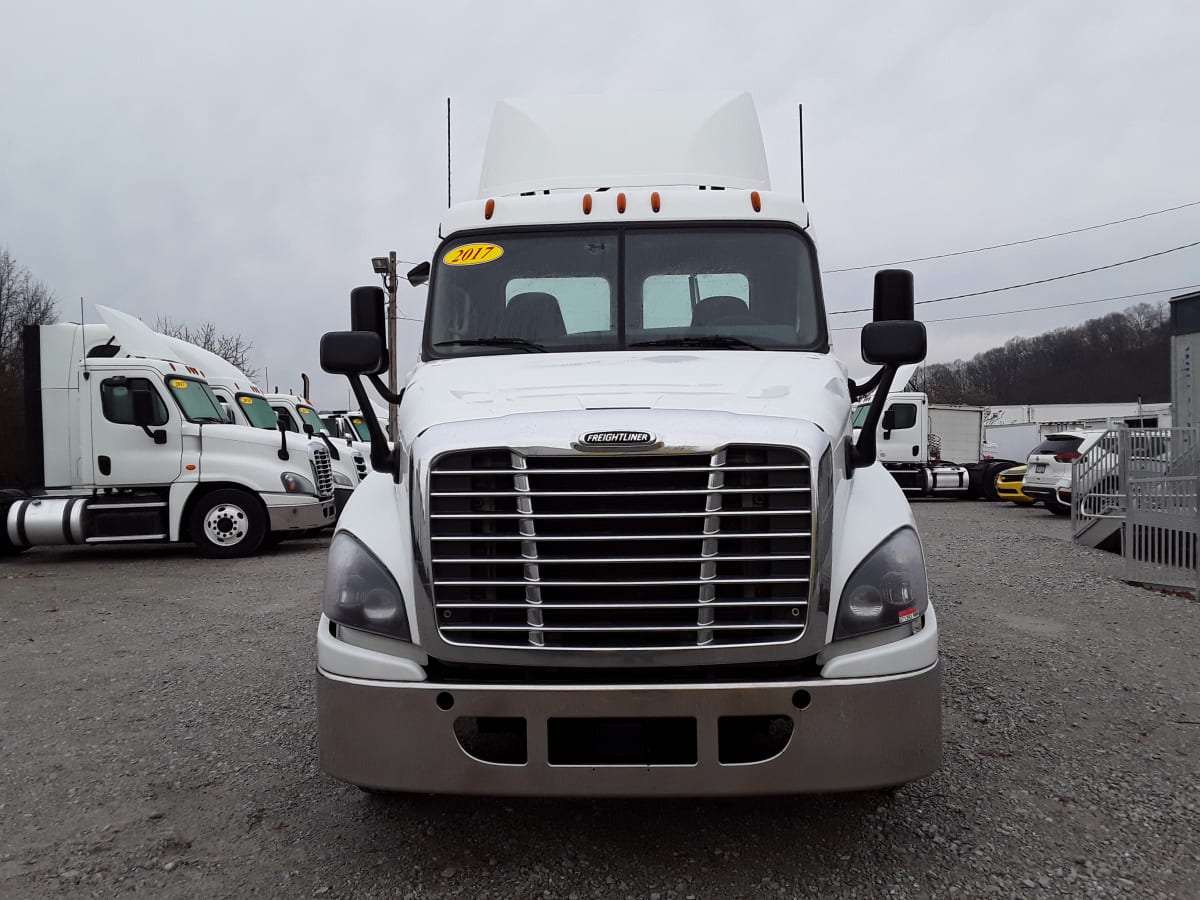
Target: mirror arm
333 454
377 383
159 436
858 391
862 454
283 450
381 457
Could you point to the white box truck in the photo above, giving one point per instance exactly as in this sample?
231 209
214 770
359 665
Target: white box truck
129 444
933 448
624 544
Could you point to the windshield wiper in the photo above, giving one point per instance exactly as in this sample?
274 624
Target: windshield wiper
722 341
209 420
527 346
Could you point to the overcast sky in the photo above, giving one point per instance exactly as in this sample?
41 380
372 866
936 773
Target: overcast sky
241 162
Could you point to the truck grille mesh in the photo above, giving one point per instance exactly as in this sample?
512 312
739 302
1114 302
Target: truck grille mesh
323 469
621 552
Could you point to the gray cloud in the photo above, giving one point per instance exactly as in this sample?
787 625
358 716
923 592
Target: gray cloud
243 162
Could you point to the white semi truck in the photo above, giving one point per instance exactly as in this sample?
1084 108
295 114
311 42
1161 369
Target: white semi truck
129 444
625 543
934 449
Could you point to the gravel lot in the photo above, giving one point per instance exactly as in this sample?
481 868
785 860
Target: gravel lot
157 738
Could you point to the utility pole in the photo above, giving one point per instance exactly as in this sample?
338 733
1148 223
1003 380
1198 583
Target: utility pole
393 426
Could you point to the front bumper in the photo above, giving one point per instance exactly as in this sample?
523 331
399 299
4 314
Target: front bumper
341 496
292 513
852 734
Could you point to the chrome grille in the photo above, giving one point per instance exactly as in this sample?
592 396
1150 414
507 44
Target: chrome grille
323 470
360 466
604 551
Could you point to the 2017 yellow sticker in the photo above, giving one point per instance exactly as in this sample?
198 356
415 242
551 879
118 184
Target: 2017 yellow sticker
473 254
179 383
246 400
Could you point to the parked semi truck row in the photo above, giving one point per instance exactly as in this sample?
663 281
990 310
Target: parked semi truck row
626 541
129 444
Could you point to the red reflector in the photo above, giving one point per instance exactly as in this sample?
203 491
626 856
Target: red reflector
1067 457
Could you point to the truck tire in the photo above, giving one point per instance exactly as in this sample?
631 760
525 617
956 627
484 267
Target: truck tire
227 523
988 485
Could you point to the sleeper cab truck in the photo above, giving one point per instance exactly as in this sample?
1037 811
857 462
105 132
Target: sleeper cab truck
625 543
137 449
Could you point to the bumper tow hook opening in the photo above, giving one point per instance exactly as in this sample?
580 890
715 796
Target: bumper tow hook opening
493 739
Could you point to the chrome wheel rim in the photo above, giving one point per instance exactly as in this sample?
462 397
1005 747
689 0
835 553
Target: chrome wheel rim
226 524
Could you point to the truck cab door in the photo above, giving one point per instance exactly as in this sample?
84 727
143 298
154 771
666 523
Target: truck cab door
124 453
899 438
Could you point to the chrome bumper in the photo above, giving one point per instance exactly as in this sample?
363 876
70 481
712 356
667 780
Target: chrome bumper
852 734
299 514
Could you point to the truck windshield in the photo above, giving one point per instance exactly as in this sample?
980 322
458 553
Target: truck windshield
360 428
196 400
745 287
860 415
309 415
258 411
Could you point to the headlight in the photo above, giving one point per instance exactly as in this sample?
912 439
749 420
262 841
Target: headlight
360 592
887 589
341 479
297 484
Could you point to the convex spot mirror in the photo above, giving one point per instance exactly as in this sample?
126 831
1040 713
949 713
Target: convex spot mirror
351 352
894 343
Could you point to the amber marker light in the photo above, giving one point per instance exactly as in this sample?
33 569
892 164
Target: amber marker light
620 203
489 208
756 201
655 201
587 204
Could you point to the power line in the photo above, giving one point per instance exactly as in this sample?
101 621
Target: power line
1011 287
1011 312
1044 237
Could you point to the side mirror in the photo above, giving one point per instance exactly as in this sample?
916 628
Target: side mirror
893 295
143 407
418 274
308 429
889 421
893 343
352 352
281 422
367 313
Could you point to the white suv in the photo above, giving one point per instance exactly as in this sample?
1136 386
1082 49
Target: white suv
1049 466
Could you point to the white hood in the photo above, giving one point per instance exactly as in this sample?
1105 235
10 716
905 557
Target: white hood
791 385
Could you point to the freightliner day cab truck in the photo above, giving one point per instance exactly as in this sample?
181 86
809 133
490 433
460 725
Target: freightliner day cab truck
934 449
242 402
128 444
625 544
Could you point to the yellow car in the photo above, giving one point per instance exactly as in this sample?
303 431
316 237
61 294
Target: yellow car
1008 486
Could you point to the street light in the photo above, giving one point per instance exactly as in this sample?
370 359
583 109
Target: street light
379 264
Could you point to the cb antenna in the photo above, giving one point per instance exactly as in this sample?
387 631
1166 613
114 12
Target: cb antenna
448 203
801 152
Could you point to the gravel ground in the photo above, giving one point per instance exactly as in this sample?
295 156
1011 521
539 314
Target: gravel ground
157 738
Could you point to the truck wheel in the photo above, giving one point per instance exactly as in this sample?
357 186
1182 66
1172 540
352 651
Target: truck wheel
989 482
227 523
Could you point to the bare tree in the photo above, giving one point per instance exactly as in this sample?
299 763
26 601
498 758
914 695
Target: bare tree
233 348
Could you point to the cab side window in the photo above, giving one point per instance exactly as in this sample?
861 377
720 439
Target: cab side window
116 400
905 415
289 423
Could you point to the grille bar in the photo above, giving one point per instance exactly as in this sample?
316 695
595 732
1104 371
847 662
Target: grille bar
615 515
626 471
654 550
740 604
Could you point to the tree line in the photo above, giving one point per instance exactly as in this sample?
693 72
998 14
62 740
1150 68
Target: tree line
1115 358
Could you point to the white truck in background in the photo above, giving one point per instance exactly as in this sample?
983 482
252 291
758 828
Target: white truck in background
935 449
243 402
624 543
129 444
